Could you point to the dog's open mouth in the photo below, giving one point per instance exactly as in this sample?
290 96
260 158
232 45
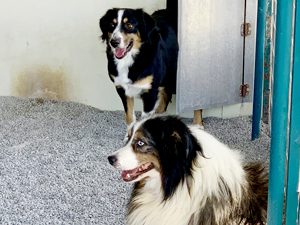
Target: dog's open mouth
130 175
121 52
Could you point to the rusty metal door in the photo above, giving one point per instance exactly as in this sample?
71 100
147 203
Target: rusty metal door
217 50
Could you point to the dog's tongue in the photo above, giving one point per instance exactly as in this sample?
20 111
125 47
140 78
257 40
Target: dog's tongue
120 52
128 175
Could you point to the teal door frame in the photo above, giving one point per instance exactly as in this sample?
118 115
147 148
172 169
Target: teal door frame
285 122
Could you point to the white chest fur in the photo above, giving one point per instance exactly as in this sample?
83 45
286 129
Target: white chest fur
123 65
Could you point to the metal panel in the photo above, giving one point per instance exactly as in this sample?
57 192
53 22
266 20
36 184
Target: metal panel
250 44
211 53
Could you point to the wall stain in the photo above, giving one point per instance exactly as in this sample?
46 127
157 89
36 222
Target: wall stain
41 82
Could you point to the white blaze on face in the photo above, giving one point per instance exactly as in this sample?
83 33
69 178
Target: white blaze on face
117 32
126 158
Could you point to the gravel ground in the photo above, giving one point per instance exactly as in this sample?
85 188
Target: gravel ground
53 166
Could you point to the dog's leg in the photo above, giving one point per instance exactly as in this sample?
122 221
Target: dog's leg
130 116
164 98
128 104
149 102
198 118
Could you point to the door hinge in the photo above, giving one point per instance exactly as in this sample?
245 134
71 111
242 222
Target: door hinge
245 29
244 90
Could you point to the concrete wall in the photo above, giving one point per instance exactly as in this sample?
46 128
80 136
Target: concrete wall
52 49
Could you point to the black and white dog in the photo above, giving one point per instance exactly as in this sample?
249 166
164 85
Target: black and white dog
185 176
142 58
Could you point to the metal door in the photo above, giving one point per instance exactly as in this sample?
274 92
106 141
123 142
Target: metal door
215 59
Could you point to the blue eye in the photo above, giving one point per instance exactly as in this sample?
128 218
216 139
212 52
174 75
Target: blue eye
140 143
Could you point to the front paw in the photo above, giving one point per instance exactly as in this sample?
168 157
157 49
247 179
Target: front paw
146 115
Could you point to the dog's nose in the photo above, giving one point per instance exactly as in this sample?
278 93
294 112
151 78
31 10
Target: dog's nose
115 42
112 159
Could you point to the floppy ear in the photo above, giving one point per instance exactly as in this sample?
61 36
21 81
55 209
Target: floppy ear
179 150
147 25
104 24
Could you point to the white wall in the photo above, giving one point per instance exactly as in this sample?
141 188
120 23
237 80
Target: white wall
51 48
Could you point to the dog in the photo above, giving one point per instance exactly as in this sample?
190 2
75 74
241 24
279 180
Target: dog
142 53
182 175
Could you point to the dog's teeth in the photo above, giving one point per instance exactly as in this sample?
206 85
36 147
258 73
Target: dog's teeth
128 175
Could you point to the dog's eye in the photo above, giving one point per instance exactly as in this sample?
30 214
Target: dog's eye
128 26
139 143
113 25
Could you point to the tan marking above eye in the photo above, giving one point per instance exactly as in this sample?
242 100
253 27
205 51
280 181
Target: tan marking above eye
176 135
125 20
138 135
115 21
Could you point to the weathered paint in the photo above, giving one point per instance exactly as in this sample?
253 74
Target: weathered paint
41 82
280 111
259 69
267 62
293 193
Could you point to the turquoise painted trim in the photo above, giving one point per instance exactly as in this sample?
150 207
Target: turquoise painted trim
294 148
267 63
280 109
259 69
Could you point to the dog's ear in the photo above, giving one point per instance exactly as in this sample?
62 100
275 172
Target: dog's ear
147 27
178 153
176 148
104 24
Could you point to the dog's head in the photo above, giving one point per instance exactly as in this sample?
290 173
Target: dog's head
124 30
161 147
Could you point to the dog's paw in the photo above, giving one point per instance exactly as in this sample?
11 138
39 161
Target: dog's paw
147 115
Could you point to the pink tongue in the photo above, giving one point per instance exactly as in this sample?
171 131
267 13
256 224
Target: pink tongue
131 172
120 52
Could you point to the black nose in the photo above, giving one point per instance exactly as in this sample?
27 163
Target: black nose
115 42
112 159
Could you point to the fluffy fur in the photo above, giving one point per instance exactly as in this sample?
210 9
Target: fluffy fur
142 58
185 176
